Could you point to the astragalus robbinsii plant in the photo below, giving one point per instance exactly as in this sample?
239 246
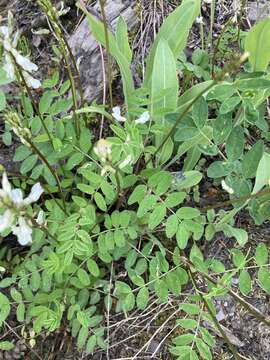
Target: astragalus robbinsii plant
132 201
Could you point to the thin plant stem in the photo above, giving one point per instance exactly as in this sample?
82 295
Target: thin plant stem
107 45
250 308
222 332
43 159
31 97
237 200
181 116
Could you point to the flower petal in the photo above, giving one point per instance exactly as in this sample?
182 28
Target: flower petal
31 82
34 195
143 118
6 184
117 114
17 197
25 63
6 220
40 217
23 232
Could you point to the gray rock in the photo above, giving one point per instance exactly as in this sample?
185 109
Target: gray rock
258 10
87 50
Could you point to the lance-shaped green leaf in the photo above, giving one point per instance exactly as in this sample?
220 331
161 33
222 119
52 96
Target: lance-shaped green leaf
164 80
175 30
258 45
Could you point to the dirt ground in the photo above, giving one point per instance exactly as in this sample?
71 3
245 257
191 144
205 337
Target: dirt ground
147 334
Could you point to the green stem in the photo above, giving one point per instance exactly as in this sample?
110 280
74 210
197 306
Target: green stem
181 116
43 159
31 98
222 332
107 43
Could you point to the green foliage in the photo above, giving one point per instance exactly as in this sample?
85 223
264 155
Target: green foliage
135 201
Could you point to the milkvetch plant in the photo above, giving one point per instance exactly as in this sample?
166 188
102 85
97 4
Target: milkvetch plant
133 198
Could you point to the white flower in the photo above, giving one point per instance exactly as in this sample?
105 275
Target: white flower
25 63
226 187
103 149
31 82
17 197
4 31
13 216
40 218
23 232
126 162
199 20
117 114
9 40
34 195
6 220
143 118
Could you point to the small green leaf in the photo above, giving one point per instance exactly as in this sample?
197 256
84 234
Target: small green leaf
264 279
187 213
6 345
74 160
28 164
157 216
175 199
100 201
251 160
171 225
142 298
261 255
235 143
2 101
182 236
200 112
244 282
83 277
4 308
93 267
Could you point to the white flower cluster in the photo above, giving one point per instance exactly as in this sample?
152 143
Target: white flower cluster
141 120
14 215
9 40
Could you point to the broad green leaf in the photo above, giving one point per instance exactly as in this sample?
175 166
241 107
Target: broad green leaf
182 236
187 323
157 216
93 267
240 234
137 195
219 169
142 298
251 160
161 289
83 277
175 199
28 164
146 204
235 144
188 179
200 112
203 349
171 226
166 152
6 345
244 282
2 100
258 46
91 344
264 279
185 339
164 79
121 36
74 160
261 255
99 199
190 309
174 30
229 105
4 308
263 173
187 213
